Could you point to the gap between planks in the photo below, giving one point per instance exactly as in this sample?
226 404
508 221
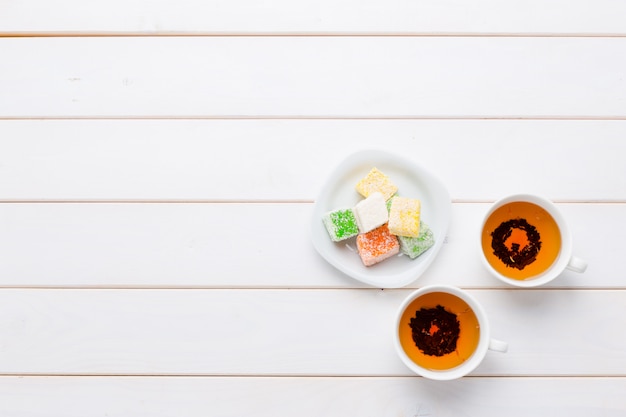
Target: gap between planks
152 288
298 376
324 117
261 201
328 34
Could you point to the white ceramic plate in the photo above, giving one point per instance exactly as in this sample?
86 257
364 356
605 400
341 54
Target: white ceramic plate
412 181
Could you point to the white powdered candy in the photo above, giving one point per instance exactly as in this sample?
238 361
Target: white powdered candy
371 212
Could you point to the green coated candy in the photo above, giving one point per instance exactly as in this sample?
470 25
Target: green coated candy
341 224
415 246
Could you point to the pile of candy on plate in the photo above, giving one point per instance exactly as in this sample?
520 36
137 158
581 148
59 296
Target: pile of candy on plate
383 223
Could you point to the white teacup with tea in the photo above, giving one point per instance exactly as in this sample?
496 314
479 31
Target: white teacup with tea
442 332
525 241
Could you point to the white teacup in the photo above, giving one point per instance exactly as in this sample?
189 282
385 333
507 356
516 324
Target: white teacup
525 241
423 326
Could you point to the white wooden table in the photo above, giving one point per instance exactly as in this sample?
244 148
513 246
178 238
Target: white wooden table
158 167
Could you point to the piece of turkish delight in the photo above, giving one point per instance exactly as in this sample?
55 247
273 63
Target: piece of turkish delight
371 212
404 216
340 224
376 181
377 245
415 246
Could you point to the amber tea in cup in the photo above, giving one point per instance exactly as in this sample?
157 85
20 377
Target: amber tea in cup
521 240
443 333
525 241
439 331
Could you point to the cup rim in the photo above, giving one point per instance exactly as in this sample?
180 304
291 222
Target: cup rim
472 362
565 253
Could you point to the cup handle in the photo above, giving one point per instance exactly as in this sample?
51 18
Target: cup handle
577 264
498 345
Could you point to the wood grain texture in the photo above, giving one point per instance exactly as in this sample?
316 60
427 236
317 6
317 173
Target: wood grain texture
551 17
247 160
310 397
158 165
313 77
291 332
186 246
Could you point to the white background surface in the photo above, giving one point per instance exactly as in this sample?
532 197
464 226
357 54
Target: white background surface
158 167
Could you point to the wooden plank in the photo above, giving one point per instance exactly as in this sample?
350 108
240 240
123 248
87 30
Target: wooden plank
392 396
318 17
187 245
291 332
313 77
182 159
